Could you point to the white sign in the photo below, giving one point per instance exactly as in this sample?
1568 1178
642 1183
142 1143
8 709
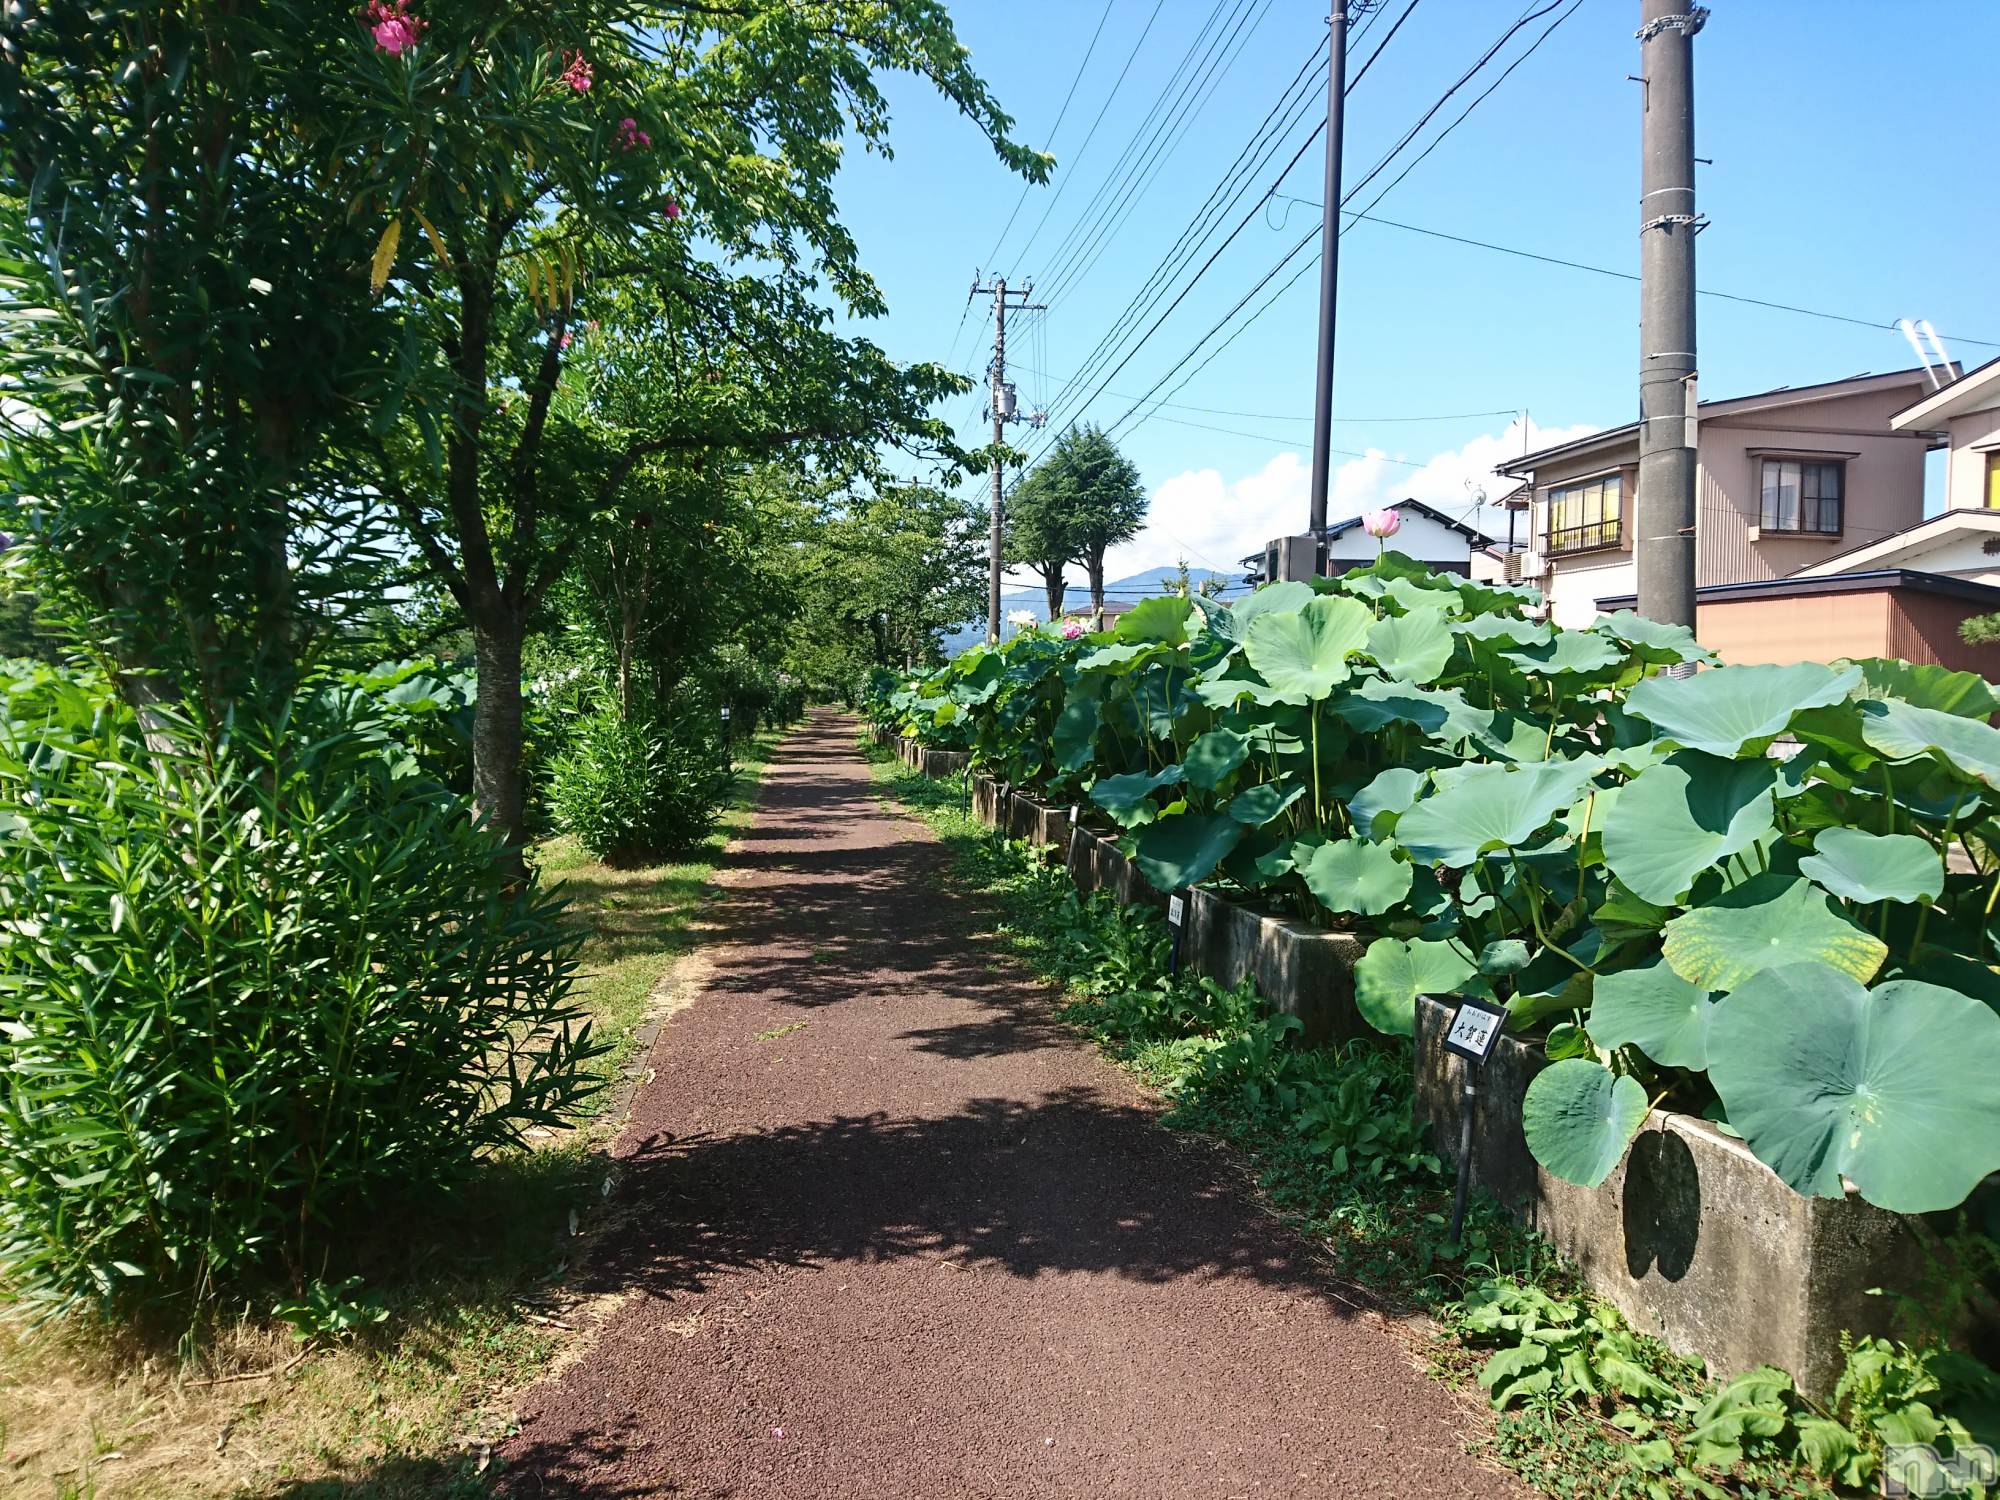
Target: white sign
1173 911
1475 1028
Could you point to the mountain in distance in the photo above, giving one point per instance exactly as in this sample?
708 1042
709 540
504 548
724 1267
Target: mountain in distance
1116 591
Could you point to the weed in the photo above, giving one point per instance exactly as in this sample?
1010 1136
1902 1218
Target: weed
777 1031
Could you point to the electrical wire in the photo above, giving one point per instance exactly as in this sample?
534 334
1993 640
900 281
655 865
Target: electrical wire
1577 265
1203 47
1407 137
1148 170
1091 135
1227 191
992 256
1304 146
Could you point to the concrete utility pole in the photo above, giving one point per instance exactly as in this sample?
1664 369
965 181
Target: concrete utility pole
1664 513
1329 263
1001 396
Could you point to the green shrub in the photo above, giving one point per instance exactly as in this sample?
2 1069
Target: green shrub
630 788
248 995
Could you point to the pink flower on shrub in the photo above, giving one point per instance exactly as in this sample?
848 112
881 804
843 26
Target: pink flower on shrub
577 73
566 340
1382 524
673 209
630 136
1072 629
395 30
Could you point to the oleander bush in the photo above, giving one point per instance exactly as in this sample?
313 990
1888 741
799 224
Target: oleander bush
1763 894
255 984
634 788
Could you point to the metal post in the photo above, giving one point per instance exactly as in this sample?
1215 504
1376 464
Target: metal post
1664 508
997 524
1464 1160
1329 265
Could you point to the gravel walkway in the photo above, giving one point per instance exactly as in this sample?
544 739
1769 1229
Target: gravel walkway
882 1229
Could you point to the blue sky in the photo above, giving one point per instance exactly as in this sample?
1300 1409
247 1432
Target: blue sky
1848 161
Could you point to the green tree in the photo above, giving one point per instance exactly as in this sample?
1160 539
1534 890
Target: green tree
893 570
663 172
1083 499
188 335
1041 533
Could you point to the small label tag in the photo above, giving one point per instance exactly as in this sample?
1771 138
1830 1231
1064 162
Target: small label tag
1174 907
1475 1030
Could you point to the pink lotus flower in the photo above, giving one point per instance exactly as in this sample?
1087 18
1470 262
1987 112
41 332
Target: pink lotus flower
1382 524
395 30
630 136
577 73
1072 629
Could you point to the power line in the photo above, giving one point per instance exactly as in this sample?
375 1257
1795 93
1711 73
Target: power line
1094 361
1481 99
1577 265
1408 136
1082 229
1201 224
1147 171
1091 134
992 256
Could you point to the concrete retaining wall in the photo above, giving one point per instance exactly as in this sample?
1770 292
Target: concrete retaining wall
1303 970
1691 1237
938 764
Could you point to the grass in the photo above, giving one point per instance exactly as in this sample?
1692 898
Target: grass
474 1289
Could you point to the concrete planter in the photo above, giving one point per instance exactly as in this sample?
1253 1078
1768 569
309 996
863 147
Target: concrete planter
985 799
906 750
1691 1237
938 764
1096 863
1036 821
1303 970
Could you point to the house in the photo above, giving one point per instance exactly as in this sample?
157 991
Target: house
1866 611
1446 542
1785 479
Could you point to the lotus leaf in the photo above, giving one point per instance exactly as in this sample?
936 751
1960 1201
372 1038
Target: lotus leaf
1579 1116
1394 971
1864 866
1896 1090
1355 875
1770 922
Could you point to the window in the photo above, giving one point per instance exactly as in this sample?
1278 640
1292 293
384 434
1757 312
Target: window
1587 515
1803 495
1993 481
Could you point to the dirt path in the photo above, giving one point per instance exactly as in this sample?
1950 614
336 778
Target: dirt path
884 1230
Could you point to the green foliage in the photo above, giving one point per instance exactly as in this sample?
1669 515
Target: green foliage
634 788
1413 755
257 990
1080 501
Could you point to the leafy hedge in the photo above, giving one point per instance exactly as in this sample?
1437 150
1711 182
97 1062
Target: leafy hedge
256 989
1763 894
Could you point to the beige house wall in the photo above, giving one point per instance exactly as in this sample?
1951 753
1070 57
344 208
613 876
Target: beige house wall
1973 437
1884 493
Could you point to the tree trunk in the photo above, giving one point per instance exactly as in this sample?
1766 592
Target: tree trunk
1095 564
497 783
1052 582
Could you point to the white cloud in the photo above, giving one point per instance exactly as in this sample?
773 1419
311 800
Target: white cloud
1213 521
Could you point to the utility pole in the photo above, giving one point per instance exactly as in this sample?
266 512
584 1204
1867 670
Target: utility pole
1003 410
1664 510
1329 261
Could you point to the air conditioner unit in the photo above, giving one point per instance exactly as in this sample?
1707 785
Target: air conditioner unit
1511 566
